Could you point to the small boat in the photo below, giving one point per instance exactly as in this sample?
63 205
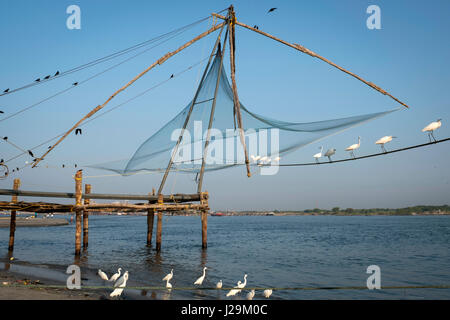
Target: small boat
217 214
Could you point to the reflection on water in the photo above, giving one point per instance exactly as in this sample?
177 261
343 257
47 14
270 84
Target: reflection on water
309 251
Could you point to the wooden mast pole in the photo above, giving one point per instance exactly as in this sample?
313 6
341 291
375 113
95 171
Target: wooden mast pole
315 55
211 118
237 105
169 166
12 223
99 107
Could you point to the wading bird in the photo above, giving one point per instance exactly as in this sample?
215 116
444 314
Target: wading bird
168 276
384 140
353 147
199 281
329 153
120 285
318 155
168 284
219 285
267 293
251 294
116 276
431 127
235 291
102 275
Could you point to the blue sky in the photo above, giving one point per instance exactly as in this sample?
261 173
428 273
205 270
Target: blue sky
408 57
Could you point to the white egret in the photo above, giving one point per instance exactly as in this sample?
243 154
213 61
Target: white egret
251 294
329 153
120 285
267 293
168 284
168 276
102 275
116 276
199 281
318 155
243 284
431 127
384 140
235 291
353 147
219 285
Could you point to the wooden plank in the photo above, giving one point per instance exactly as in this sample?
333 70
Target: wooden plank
87 190
12 223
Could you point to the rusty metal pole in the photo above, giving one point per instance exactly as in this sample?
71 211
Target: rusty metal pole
12 223
78 196
87 190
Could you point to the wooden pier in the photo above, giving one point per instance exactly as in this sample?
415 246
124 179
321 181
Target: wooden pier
155 204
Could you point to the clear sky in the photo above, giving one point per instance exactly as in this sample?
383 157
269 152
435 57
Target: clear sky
408 57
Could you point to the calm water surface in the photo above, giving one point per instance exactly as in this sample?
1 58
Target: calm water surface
284 252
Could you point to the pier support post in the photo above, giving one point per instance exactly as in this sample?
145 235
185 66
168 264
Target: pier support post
150 219
159 225
87 190
12 223
204 216
78 196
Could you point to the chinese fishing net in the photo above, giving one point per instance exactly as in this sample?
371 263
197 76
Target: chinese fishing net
266 139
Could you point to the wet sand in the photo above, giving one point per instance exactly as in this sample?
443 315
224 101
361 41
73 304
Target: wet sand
33 222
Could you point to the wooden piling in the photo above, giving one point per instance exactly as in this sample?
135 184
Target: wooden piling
78 196
12 223
159 225
87 190
150 219
204 217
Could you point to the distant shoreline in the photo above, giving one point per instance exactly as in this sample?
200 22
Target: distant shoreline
33 222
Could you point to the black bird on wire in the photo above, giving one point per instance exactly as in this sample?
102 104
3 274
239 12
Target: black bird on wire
271 10
75 83
171 76
78 130
6 91
255 27
49 147
5 138
63 166
37 80
56 74
47 77
30 153
1 111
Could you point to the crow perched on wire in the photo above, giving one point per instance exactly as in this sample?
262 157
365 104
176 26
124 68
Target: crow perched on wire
77 130
6 90
171 76
255 27
37 80
30 153
5 138
1 111
56 74
47 77
271 10
75 83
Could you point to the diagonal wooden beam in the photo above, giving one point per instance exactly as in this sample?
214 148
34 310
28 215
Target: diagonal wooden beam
158 62
315 55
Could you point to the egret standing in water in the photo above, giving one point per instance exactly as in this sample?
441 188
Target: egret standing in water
329 153
116 276
120 285
168 276
199 281
168 284
102 275
384 140
431 127
267 293
353 147
318 155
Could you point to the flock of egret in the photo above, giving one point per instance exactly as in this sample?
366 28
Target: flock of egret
382 141
121 281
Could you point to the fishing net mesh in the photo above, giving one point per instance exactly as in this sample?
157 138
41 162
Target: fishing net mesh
265 138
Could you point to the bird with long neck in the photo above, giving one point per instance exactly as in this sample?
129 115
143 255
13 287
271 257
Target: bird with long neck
199 281
353 147
431 127
318 155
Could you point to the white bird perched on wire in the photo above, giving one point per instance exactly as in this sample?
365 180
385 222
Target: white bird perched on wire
120 285
116 276
318 155
353 147
235 291
251 294
219 285
431 127
199 281
329 153
267 293
168 276
384 140
102 275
